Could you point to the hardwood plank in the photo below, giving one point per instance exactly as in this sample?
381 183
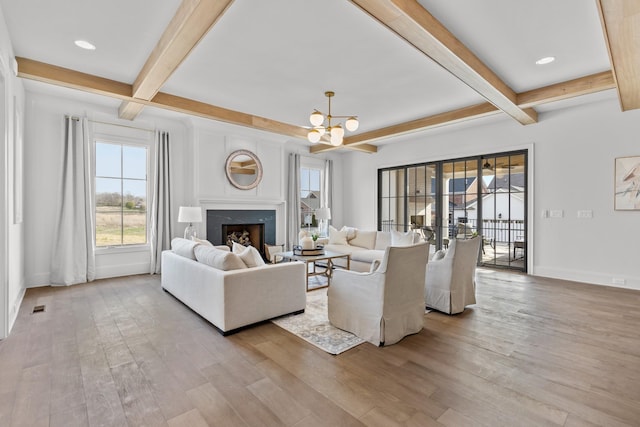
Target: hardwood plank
193 418
213 407
533 351
138 402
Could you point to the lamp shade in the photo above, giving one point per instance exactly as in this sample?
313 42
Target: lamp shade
323 213
352 124
189 214
316 118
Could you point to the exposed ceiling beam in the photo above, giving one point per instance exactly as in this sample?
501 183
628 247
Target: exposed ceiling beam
52 74
569 89
621 25
412 22
565 90
322 148
193 19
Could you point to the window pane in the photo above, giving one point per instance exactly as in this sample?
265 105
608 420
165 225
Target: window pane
108 212
108 160
134 162
314 180
134 216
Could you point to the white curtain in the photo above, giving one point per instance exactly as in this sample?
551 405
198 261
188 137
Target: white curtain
160 203
327 194
293 201
73 259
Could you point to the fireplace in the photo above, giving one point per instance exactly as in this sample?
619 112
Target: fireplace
260 226
244 234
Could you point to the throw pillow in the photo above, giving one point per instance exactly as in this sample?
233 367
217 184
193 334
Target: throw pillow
351 231
271 250
218 259
183 247
401 239
201 241
337 237
248 254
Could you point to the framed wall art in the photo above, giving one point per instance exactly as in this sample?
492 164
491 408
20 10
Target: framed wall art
627 185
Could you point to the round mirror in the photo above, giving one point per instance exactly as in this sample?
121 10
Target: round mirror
243 169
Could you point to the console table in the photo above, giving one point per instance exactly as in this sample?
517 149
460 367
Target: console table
312 260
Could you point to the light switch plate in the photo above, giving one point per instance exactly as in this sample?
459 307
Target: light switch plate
586 214
556 213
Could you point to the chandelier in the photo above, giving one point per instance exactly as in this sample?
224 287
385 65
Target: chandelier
335 132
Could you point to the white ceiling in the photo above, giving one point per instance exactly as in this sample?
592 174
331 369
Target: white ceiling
276 58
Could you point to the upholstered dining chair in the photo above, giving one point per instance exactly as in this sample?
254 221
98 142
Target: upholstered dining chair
385 304
450 283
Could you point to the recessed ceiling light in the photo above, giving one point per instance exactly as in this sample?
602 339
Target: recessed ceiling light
85 44
545 60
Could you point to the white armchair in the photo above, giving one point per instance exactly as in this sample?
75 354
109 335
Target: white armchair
385 304
450 283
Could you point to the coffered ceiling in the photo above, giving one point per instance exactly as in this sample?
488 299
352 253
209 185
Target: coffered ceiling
399 65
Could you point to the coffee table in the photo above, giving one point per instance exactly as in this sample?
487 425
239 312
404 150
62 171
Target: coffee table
312 260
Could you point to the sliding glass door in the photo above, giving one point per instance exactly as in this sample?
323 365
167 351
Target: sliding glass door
459 199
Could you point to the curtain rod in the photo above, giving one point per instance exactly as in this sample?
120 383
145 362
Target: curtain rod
113 124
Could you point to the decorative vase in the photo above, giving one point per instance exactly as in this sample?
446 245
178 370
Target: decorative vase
307 243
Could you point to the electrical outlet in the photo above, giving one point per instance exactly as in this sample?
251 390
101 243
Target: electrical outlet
585 214
558 213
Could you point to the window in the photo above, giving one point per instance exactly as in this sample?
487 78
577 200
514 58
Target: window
459 198
120 194
310 194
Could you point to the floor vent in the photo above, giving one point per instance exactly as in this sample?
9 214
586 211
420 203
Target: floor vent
38 309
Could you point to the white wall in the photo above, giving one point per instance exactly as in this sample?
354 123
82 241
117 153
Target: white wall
12 230
572 159
43 165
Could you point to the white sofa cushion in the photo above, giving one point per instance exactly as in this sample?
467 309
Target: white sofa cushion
219 259
364 239
402 239
367 255
337 237
248 254
184 247
383 239
201 241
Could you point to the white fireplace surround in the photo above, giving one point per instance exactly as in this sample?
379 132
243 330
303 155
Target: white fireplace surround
249 205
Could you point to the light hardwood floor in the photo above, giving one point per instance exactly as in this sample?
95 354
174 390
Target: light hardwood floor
532 352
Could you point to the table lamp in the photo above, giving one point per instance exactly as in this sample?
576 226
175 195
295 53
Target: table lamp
190 214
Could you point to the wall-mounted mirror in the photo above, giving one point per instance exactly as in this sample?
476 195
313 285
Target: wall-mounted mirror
243 169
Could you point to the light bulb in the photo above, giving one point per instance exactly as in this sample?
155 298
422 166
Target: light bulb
336 140
313 136
316 118
337 131
352 124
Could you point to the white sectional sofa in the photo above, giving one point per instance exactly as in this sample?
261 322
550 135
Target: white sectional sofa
365 246
230 295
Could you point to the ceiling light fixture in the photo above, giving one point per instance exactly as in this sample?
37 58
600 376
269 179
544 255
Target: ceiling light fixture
545 60
84 45
336 132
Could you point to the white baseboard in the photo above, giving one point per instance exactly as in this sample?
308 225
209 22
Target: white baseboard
107 272
15 308
604 279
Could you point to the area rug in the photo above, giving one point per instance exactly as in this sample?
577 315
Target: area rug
313 326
